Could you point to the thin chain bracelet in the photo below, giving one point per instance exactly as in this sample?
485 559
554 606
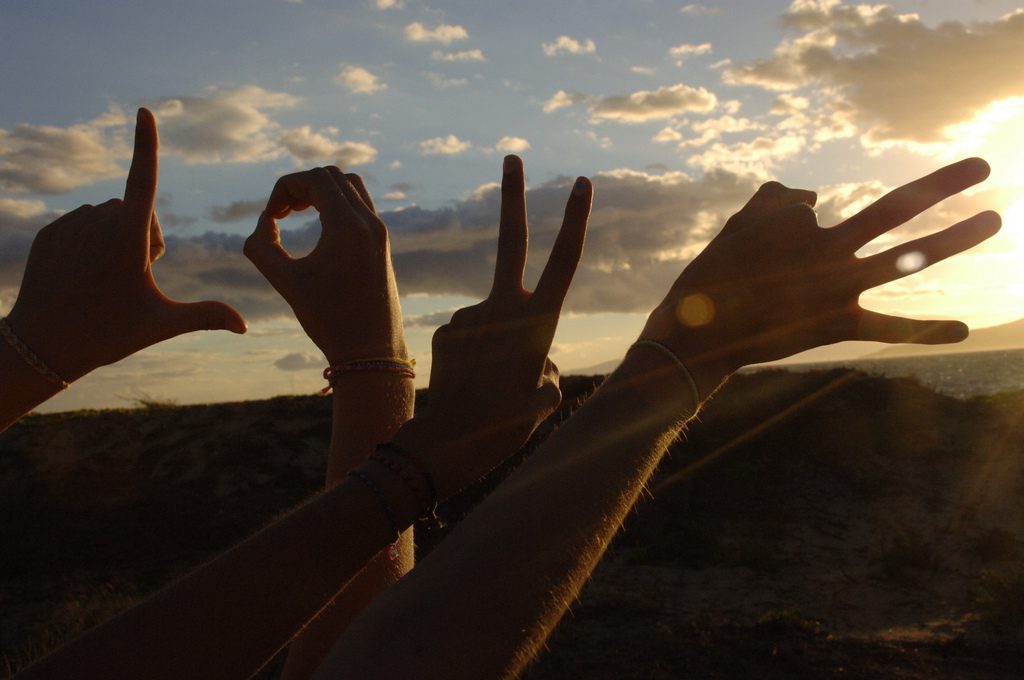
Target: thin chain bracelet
29 356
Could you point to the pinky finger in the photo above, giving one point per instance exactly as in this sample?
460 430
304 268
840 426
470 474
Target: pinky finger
894 329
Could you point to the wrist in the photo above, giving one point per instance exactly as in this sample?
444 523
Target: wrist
709 357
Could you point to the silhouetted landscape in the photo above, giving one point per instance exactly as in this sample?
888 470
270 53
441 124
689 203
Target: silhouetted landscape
817 524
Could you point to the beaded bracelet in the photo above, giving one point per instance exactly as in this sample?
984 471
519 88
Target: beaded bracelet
372 486
653 344
381 365
29 356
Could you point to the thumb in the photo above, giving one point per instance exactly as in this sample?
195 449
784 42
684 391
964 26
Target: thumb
209 315
263 247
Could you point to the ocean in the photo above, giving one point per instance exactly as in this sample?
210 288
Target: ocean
963 375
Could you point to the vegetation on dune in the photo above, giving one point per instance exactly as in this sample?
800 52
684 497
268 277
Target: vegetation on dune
813 524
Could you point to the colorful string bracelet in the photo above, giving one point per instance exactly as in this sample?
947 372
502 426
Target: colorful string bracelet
29 356
402 367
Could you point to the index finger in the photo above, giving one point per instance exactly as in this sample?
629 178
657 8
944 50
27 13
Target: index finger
512 230
301 190
140 189
903 203
565 254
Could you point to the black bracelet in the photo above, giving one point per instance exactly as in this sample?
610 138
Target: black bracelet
420 465
427 509
372 486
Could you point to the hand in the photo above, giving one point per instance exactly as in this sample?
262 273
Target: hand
491 382
88 297
343 293
774 283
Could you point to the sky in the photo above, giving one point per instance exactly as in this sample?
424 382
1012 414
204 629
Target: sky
677 111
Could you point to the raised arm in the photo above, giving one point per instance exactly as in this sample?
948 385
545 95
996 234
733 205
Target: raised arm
344 295
88 297
770 284
227 618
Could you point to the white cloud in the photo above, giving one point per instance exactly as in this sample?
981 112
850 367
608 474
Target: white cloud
696 9
394 196
444 146
899 79
759 156
566 45
643 106
644 70
224 126
443 82
307 146
680 52
46 159
442 33
512 144
465 55
667 134
389 4
358 80
561 99
300 361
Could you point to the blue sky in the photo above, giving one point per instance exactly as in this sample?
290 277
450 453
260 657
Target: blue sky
677 110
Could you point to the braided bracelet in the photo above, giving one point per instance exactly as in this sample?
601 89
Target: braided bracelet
655 345
372 486
29 356
402 367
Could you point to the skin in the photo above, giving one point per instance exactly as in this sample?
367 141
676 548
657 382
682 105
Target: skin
88 297
228 617
510 571
344 295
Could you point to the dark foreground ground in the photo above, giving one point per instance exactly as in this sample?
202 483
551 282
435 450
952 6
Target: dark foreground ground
817 525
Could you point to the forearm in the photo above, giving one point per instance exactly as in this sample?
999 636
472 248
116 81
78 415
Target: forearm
368 409
22 388
512 568
230 616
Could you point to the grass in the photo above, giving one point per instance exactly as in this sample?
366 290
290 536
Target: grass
1000 599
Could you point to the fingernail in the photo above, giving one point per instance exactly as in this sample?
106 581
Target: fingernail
580 187
509 164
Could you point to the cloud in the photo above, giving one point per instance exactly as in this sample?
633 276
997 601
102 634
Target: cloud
680 52
667 134
696 9
566 45
759 156
644 229
389 4
431 320
394 195
307 146
465 55
899 79
442 82
561 99
224 126
236 210
442 33
46 159
359 81
444 146
512 144
300 361
643 106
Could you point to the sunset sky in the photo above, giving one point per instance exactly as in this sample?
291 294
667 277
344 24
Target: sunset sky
677 111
